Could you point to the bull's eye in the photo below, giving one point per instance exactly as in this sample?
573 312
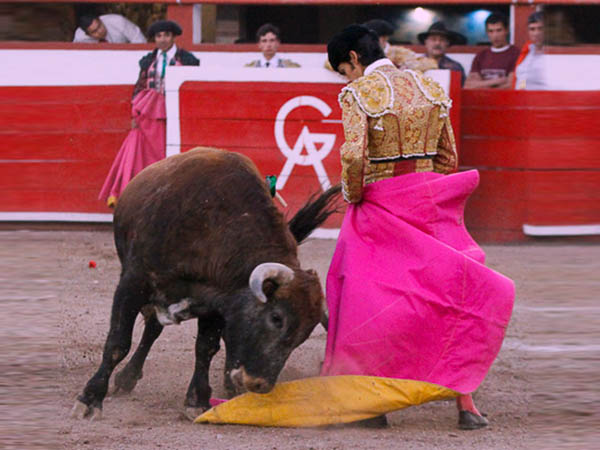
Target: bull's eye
276 320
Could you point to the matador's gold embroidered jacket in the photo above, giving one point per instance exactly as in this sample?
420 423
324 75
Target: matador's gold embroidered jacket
389 116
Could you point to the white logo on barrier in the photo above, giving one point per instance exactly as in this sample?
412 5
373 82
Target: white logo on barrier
313 157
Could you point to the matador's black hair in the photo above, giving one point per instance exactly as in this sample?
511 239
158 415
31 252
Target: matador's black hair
359 38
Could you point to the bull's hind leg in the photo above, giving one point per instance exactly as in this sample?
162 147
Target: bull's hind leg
207 345
127 378
128 300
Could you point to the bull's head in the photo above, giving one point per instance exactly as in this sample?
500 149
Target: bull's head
276 313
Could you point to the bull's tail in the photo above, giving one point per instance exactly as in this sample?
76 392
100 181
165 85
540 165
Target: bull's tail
314 213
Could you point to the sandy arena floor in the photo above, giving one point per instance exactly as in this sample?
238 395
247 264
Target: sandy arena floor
539 393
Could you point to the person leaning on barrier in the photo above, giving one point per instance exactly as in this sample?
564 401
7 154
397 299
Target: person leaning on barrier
530 71
437 39
112 28
494 67
268 40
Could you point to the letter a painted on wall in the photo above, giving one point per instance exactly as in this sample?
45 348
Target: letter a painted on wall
306 140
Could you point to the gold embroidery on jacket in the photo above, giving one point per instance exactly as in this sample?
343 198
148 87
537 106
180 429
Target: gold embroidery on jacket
390 115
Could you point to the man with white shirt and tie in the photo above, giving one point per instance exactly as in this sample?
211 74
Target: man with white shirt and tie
145 144
268 39
166 53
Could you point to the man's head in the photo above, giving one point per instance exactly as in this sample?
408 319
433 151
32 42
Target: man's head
164 33
438 38
267 37
383 29
535 28
352 50
436 45
496 27
93 27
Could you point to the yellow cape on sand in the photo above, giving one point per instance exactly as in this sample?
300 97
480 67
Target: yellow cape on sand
318 401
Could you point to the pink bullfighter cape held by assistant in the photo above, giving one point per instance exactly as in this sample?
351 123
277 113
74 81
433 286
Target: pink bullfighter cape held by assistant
144 145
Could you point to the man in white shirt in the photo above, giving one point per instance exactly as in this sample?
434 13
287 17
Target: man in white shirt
268 41
112 28
530 72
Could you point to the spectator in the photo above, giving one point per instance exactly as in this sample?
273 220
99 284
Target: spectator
402 57
112 28
268 39
437 40
530 70
494 67
145 143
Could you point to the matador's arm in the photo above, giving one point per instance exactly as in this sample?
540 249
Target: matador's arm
353 150
446 160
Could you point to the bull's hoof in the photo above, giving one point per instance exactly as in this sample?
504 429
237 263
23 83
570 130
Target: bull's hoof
192 412
81 410
124 383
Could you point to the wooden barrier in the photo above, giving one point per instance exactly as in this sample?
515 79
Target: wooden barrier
58 144
537 153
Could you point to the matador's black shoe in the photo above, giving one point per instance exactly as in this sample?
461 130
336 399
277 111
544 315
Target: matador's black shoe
470 421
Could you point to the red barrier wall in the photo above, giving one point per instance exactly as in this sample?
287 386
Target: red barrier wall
58 144
538 156
537 152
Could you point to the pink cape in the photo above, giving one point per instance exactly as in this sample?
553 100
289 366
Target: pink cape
408 293
143 146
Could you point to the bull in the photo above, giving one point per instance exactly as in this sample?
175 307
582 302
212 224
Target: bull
199 236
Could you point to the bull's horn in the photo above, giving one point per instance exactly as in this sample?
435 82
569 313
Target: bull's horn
279 273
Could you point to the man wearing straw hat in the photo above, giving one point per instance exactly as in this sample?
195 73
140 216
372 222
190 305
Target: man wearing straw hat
436 40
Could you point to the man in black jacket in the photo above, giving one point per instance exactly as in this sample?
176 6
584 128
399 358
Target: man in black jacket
146 142
153 65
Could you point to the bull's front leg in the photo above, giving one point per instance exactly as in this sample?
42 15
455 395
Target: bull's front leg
231 390
207 345
129 298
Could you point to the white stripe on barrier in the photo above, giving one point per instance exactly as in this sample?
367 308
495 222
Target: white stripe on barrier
319 233
561 230
325 233
54 217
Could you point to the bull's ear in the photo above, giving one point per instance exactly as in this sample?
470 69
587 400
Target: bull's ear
269 287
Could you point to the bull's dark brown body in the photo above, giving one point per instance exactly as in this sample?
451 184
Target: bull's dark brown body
205 213
189 231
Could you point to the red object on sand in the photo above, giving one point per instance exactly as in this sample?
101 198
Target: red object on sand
92 264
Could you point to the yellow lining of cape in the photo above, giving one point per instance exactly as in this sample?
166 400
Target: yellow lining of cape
324 401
